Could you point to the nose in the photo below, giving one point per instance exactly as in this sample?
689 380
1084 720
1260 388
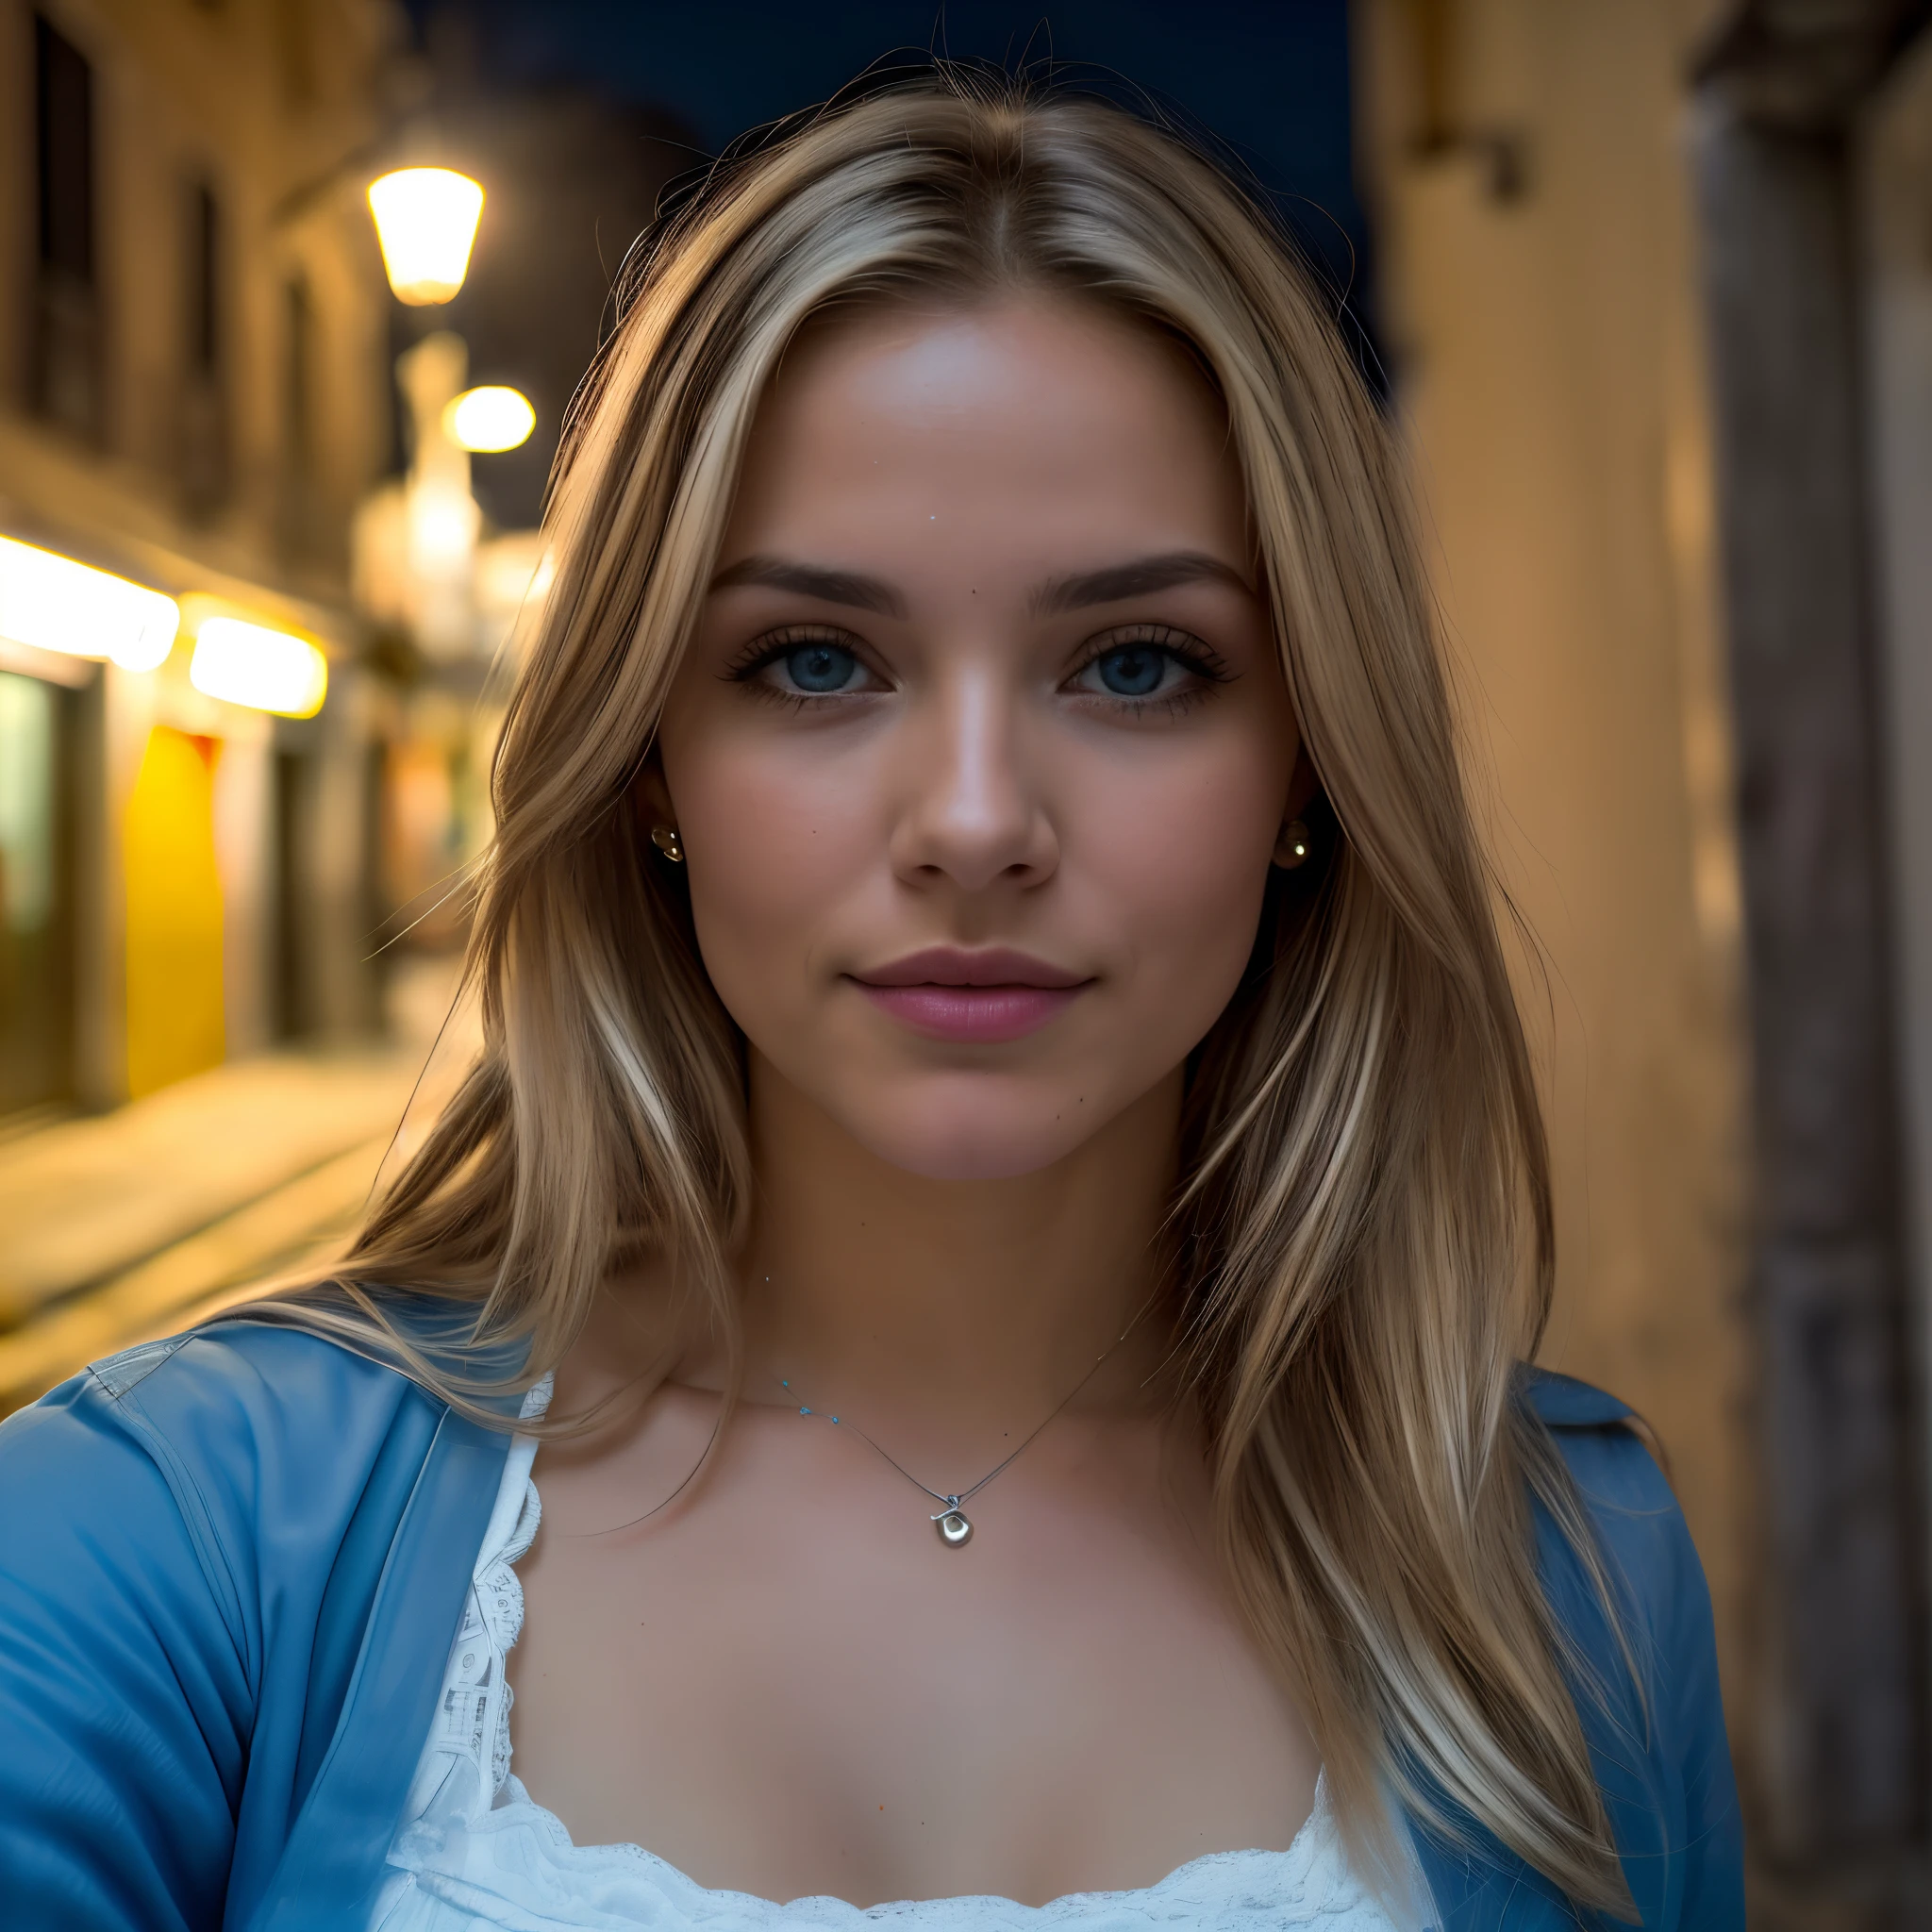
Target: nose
974 813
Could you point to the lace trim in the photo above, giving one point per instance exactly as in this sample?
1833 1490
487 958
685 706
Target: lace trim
472 1721
472 1841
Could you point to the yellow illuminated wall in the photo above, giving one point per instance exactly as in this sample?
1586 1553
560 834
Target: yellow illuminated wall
174 913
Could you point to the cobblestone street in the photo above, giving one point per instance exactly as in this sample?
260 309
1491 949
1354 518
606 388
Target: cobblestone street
134 1224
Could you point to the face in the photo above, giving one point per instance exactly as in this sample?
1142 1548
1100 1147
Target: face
982 750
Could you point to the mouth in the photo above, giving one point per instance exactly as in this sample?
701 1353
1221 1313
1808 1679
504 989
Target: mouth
946 992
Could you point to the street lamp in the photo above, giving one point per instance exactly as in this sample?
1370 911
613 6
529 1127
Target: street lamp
426 219
493 418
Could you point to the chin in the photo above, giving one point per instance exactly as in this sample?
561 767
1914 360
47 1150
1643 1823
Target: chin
946 1141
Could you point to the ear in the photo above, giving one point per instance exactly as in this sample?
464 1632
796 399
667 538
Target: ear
653 795
1303 785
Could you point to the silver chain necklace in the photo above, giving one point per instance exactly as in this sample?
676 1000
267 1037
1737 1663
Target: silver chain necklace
955 1528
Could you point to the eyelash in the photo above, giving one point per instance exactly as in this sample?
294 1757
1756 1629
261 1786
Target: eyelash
1186 650
1183 647
774 644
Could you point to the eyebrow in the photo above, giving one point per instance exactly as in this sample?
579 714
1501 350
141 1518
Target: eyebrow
856 592
1117 582
1120 581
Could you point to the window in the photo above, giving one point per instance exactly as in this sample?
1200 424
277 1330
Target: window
35 965
204 278
293 1005
66 333
202 442
301 509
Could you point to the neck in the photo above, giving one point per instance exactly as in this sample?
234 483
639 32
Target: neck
954 1302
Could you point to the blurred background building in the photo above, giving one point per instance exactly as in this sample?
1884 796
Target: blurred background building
191 398
1654 284
1647 286
194 397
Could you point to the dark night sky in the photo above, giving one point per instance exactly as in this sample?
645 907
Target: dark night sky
1269 77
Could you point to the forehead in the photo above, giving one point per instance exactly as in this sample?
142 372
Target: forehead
1028 425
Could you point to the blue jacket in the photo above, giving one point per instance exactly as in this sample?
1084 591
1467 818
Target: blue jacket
231 1566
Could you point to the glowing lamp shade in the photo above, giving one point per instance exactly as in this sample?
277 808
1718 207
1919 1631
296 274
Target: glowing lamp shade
489 419
426 219
266 670
55 603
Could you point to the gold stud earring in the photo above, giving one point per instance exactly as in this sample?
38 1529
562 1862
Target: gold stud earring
667 842
1292 848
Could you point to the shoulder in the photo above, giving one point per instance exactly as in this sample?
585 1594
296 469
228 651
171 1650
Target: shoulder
201 1543
1632 1618
210 1441
197 1470
1634 1614
1636 1522
234 1385
280 1378
1564 1402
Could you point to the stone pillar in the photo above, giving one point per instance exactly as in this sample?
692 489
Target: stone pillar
1840 1713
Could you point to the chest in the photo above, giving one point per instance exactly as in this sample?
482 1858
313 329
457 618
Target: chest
788 1684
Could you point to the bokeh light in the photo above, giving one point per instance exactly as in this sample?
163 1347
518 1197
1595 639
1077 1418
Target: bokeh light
489 419
54 604
267 670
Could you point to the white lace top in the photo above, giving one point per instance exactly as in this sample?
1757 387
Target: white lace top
475 1853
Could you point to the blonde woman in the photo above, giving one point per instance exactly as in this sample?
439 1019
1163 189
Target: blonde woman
1003 1209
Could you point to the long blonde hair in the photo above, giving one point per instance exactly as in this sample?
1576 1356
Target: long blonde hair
1363 1218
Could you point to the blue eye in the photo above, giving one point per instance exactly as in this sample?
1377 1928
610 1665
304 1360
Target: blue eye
1134 670
820 667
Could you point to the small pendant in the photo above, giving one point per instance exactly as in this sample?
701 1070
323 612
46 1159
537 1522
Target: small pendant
952 1525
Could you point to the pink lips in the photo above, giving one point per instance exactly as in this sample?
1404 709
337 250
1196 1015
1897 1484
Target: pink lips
983 997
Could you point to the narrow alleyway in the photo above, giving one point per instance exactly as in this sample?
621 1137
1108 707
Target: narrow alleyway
135 1224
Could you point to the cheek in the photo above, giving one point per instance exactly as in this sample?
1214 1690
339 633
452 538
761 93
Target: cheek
772 849
1183 860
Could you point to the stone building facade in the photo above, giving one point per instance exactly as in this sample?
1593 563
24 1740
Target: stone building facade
194 393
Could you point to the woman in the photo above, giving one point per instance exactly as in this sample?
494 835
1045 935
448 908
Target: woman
1003 1190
